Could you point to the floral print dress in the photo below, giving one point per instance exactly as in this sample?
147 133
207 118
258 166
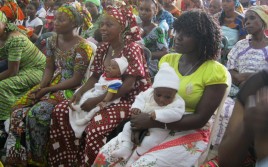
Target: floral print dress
28 135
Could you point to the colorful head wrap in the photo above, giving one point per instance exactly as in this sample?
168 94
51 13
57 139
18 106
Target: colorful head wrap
11 26
262 11
127 20
12 11
96 2
3 17
75 12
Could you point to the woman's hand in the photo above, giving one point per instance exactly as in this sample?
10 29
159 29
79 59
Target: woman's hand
41 93
38 93
240 78
141 121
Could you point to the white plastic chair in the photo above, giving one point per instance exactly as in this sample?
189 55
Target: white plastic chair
206 155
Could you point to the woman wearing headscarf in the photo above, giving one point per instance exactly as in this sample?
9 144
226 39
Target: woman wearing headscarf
95 9
23 58
247 57
14 15
119 32
68 57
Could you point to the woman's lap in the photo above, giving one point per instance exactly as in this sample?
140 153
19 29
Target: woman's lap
184 152
93 139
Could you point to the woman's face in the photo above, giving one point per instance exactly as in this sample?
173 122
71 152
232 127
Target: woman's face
110 29
49 3
184 43
62 23
92 8
253 22
214 7
228 5
147 10
30 10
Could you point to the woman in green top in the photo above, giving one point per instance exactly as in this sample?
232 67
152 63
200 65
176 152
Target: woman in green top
25 65
95 9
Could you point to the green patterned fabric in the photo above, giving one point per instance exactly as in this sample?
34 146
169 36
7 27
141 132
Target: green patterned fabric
3 17
32 65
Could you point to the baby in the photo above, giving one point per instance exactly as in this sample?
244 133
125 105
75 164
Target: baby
110 81
164 105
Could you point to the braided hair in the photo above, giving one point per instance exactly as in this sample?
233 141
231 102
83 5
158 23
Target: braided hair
201 26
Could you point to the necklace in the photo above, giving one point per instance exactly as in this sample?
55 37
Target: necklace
113 53
188 71
117 50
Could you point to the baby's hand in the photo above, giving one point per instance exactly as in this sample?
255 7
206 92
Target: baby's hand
135 111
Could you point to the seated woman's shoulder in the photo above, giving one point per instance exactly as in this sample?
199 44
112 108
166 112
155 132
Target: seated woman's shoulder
16 34
171 57
16 38
215 66
132 46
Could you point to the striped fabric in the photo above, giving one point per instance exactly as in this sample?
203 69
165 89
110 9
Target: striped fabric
32 65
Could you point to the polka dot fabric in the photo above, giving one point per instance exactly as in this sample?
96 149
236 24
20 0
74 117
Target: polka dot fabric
125 17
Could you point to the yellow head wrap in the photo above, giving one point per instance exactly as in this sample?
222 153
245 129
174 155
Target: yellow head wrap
262 11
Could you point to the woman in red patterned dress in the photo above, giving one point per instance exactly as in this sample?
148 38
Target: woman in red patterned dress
119 32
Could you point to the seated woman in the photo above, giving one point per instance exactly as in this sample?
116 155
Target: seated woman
33 23
231 22
249 56
153 37
68 57
202 79
23 58
119 32
95 9
14 15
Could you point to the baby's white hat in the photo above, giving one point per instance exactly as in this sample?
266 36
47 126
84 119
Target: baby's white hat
122 63
166 77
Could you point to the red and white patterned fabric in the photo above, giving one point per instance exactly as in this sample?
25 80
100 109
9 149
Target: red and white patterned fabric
64 148
125 17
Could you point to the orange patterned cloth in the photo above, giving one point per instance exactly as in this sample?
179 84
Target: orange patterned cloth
12 11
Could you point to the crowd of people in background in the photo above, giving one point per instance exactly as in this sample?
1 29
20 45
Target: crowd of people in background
132 63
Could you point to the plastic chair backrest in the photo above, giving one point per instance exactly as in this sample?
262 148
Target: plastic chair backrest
204 156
